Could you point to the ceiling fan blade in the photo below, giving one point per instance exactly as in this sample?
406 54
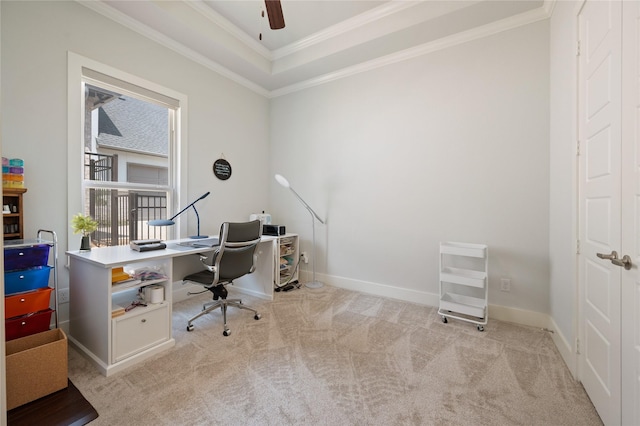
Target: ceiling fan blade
274 12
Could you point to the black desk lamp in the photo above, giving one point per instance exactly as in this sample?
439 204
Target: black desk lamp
169 222
284 182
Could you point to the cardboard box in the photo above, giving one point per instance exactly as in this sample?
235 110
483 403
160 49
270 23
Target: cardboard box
36 366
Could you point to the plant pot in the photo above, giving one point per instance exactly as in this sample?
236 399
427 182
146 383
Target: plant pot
85 243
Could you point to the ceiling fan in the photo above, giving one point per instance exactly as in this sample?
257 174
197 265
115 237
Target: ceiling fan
274 12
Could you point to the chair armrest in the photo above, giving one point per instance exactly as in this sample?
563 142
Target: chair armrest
203 260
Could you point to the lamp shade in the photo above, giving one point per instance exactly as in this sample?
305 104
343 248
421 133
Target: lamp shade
169 222
283 181
161 222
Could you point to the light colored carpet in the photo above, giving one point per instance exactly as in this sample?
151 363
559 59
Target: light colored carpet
335 357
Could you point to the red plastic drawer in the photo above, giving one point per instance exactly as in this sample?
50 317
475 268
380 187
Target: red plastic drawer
24 303
25 257
27 324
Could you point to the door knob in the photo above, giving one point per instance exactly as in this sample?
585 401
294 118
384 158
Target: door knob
624 262
611 257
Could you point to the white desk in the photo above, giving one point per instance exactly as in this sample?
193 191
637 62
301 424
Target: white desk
117 343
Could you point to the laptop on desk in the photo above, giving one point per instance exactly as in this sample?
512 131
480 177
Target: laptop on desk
201 243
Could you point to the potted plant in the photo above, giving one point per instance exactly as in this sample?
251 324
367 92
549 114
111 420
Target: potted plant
86 225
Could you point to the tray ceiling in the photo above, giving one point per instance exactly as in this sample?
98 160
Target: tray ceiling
322 39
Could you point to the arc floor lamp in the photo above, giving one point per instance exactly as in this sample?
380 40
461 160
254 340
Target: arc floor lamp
169 222
284 182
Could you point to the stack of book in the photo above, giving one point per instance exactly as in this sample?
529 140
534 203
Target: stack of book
117 310
119 275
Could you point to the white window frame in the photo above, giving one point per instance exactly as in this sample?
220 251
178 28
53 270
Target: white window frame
75 143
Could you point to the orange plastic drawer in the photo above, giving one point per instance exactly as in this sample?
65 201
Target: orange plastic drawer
26 325
24 303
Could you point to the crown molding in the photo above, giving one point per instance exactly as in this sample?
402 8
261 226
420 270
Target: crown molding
548 6
483 31
134 25
354 23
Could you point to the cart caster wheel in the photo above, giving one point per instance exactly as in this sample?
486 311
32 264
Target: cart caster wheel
226 332
480 328
190 327
257 317
444 319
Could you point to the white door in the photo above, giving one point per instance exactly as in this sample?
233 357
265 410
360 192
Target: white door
599 133
630 286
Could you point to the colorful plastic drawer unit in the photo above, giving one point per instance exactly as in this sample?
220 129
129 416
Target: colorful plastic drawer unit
27 324
26 280
25 257
24 303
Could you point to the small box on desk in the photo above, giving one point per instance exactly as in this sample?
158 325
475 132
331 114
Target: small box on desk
36 366
273 230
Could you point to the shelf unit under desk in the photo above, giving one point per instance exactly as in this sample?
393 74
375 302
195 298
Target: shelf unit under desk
115 343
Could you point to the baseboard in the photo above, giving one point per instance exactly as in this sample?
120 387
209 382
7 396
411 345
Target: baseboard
565 348
368 287
519 316
503 313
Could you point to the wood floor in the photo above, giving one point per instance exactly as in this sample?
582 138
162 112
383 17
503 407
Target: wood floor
63 408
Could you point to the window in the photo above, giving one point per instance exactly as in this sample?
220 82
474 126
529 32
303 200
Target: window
129 141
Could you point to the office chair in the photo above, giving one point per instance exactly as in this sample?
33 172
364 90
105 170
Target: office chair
234 258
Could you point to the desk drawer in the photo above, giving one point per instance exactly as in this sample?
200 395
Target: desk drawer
136 331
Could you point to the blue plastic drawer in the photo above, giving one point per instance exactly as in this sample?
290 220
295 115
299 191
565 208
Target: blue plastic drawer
25 257
26 280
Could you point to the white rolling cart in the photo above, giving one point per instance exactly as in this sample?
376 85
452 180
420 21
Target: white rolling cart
464 288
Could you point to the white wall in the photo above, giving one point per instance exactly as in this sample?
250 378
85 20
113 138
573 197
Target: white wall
563 169
224 118
452 146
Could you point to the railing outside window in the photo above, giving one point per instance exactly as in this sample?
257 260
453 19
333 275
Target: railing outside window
122 214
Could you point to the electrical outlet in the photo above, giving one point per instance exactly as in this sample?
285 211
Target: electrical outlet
505 284
63 295
303 257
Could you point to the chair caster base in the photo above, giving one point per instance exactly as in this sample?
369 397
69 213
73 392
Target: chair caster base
257 317
226 332
190 327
